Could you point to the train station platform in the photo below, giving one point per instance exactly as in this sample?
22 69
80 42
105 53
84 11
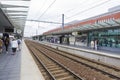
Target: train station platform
20 66
85 49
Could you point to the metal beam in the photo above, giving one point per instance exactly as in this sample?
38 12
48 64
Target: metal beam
96 26
12 6
84 27
17 19
116 22
108 24
16 15
15 0
15 11
90 27
44 21
100 25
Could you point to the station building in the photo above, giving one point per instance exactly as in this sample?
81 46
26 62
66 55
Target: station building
104 28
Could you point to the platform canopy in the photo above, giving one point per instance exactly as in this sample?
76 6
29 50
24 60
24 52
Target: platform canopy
15 12
106 24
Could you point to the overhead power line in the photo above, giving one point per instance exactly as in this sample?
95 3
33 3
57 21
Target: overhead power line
41 8
82 5
77 7
47 8
88 9
50 22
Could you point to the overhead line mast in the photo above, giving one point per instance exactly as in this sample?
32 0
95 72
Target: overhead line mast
50 21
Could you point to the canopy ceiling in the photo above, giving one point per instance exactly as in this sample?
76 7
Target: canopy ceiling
14 13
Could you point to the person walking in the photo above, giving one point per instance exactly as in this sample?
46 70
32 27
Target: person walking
14 45
6 43
19 43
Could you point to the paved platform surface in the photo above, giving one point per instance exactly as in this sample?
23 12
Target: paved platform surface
10 65
114 54
29 70
20 66
88 49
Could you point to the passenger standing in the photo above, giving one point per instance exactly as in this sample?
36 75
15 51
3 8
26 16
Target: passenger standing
14 44
110 43
1 44
6 43
19 44
96 44
92 44
116 43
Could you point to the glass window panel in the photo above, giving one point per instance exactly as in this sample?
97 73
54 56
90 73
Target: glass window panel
107 38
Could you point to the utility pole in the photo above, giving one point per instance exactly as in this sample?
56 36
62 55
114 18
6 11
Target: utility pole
62 21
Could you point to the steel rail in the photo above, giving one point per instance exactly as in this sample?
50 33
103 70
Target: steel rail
51 76
105 72
54 50
72 73
79 78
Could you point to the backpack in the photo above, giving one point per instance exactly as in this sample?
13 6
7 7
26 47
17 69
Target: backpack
6 41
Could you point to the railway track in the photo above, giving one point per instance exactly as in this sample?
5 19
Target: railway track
50 68
110 73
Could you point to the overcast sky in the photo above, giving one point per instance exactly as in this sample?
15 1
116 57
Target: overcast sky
52 10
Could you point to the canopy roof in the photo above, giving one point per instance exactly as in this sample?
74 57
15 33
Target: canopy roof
107 20
111 23
15 13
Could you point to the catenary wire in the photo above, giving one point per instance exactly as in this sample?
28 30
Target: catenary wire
70 16
88 9
47 9
59 15
40 8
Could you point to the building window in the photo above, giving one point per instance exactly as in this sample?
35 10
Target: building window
107 38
